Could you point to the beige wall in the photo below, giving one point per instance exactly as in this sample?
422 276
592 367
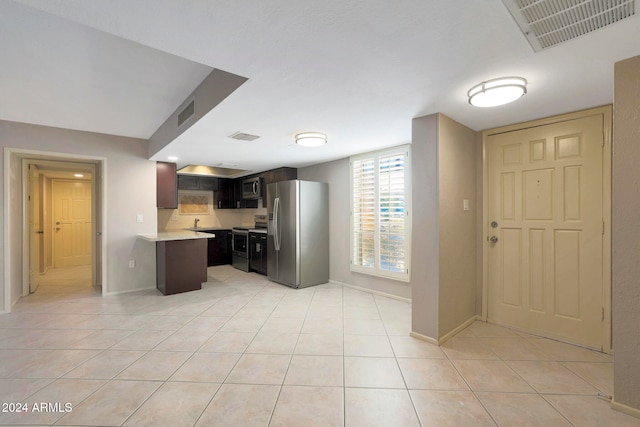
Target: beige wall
626 234
425 286
457 244
13 288
445 239
130 190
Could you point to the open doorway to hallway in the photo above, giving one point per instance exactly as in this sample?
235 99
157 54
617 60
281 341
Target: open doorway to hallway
60 205
66 282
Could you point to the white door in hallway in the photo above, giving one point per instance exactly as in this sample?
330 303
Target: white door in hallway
72 223
546 212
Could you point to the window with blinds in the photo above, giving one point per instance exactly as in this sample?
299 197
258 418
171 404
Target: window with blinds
380 214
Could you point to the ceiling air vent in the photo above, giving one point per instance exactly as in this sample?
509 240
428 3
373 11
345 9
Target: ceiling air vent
546 23
187 112
244 136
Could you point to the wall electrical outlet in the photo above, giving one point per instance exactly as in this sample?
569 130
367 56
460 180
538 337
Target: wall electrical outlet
174 217
132 263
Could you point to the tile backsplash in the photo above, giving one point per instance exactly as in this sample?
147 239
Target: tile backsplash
177 219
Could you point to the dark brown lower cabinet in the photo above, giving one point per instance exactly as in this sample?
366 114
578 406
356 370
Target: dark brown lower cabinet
219 247
181 265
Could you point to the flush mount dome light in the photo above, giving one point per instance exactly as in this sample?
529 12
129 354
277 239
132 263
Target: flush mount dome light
497 91
311 139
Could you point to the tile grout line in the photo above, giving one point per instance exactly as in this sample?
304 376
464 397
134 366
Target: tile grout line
344 373
395 357
165 381
248 294
475 395
536 392
284 377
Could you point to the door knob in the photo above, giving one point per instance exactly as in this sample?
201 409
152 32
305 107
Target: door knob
492 239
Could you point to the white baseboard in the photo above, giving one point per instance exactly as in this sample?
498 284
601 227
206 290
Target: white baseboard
546 334
424 338
457 330
625 409
130 291
446 337
13 303
371 291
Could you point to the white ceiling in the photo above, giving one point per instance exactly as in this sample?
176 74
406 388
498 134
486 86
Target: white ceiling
357 70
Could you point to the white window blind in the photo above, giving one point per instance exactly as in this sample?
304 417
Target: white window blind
381 225
364 212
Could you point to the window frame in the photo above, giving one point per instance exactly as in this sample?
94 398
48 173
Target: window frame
376 269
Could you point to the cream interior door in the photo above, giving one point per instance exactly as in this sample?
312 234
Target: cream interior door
35 228
72 223
546 261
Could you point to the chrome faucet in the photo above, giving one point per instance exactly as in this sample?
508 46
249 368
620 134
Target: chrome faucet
195 222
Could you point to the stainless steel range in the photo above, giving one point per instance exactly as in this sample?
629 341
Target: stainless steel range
240 242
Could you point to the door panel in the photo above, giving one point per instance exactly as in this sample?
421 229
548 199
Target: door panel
97 229
546 268
272 259
72 240
287 225
35 229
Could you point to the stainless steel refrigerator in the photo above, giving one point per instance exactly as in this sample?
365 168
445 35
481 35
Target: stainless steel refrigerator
298 233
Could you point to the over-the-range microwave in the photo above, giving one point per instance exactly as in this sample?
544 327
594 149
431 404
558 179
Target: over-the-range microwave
252 188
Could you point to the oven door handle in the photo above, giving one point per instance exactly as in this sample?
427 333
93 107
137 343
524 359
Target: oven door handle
276 225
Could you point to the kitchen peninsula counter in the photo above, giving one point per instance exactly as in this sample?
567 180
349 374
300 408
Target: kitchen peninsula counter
181 260
165 236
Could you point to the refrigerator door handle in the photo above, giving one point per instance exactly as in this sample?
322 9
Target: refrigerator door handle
276 226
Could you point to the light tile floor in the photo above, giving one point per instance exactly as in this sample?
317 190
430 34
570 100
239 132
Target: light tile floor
244 351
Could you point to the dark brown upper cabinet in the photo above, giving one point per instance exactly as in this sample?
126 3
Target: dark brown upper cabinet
224 198
280 174
192 182
166 185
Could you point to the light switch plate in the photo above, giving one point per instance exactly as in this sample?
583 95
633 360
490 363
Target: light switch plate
465 205
139 218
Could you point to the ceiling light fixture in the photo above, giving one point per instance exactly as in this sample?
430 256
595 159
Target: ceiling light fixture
311 139
78 175
497 91
172 158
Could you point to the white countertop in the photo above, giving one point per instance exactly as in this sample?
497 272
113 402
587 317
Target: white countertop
208 229
258 230
174 235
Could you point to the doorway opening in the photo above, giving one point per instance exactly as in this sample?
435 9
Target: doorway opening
61 209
